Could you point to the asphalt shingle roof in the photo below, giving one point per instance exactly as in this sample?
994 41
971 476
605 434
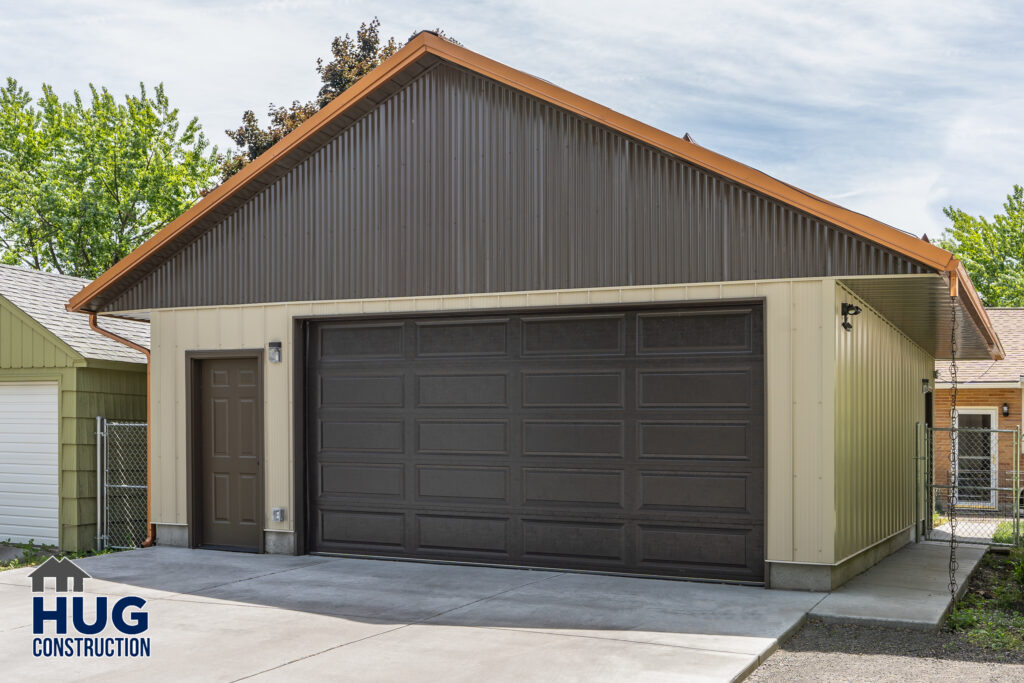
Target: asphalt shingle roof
1009 325
42 296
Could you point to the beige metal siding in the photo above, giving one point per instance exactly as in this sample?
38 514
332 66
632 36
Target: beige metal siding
878 401
798 448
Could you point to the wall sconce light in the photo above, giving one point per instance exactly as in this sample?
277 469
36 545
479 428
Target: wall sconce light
848 311
1006 410
274 352
926 387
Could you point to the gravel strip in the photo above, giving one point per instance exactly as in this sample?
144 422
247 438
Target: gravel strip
845 652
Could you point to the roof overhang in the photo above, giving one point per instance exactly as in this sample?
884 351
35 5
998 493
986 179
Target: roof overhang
420 53
922 306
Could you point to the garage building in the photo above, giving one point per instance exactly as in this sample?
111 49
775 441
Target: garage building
464 315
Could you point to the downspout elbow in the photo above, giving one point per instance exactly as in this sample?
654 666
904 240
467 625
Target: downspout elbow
151 528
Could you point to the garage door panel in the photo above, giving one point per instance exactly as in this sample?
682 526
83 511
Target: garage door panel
706 388
577 389
459 484
700 492
717 331
569 543
352 479
451 534
471 437
362 530
626 441
697 441
462 391
574 438
375 436
360 342
464 338
363 391
574 335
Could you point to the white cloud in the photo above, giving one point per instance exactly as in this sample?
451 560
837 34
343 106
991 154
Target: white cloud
894 109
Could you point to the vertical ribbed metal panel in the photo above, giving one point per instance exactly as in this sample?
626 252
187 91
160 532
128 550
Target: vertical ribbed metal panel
878 401
457 184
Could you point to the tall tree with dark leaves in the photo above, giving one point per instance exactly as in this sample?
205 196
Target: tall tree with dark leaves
351 59
85 181
992 251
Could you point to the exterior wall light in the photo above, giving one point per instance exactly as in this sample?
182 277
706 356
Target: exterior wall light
1006 410
926 387
848 311
274 352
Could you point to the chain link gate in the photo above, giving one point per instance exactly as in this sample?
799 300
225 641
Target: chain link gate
982 497
121 484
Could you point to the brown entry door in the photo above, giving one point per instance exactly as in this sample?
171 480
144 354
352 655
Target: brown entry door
230 452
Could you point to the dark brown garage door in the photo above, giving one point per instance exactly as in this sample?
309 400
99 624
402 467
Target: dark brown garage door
615 440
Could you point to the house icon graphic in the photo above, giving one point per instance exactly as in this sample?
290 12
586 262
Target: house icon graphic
60 570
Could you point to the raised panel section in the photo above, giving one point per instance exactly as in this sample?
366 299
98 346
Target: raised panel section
363 391
693 546
573 389
700 330
362 479
694 491
695 440
456 391
546 540
462 338
248 497
381 529
586 487
462 534
565 438
221 497
379 437
247 432
573 335
480 437
221 427
361 342
695 389
455 483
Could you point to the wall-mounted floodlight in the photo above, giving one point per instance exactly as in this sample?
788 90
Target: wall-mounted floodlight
848 311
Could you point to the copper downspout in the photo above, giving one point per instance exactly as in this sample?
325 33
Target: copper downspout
149 431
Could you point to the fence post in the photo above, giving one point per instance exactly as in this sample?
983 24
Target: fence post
99 483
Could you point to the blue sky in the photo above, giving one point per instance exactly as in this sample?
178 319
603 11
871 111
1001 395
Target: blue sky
894 109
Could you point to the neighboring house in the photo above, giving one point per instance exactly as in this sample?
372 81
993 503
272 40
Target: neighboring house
462 314
988 397
56 376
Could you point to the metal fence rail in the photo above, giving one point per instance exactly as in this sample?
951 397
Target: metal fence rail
121 487
983 491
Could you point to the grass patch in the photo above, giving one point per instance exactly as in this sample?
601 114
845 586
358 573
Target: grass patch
938 520
991 615
1003 533
33 554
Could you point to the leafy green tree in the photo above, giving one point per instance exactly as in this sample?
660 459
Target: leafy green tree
351 59
991 251
82 183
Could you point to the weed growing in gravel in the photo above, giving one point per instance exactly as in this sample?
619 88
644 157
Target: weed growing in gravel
991 615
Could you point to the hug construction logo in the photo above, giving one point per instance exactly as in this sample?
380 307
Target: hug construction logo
88 618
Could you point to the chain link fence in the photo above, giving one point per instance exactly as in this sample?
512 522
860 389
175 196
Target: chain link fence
982 487
121 469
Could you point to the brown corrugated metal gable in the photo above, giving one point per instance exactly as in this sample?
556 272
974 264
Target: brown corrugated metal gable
458 184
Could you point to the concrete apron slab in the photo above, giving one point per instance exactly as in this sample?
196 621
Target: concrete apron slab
224 616
908 589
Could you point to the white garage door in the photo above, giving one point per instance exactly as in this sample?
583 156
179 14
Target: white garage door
29 498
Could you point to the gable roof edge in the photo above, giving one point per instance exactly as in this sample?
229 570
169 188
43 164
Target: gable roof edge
425 43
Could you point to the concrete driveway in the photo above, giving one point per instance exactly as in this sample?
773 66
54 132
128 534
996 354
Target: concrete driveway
221 616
